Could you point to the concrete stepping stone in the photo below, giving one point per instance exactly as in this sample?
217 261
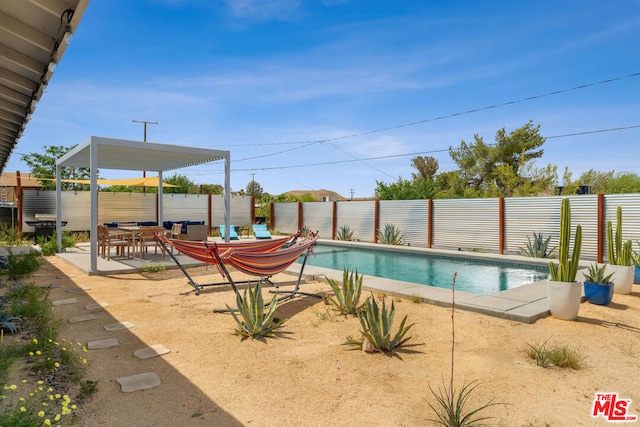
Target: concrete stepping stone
52 285
96 306
119 326
65 301
105 343
66 277
74 290
82 318
149 352
139 382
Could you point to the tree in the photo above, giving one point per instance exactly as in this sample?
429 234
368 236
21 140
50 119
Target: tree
624 182
184 185
426 167
404 189
254 189
487 167
44 166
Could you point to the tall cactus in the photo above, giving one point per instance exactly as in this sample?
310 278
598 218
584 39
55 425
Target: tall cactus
617 253
567 268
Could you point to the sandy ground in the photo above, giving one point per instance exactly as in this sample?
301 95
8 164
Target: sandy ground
305 377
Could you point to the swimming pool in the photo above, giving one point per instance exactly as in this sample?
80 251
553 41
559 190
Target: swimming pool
476 275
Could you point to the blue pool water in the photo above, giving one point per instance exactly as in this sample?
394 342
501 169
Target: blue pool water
477 276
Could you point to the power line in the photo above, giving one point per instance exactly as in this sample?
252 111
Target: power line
433 119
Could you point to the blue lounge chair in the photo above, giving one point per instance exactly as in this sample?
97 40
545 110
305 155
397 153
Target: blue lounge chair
233 234
261 232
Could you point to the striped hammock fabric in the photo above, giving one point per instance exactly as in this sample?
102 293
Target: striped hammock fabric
255 257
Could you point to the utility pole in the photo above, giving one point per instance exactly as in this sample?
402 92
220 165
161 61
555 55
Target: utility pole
144 173
351 190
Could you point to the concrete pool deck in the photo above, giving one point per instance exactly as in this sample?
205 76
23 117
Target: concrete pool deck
524 304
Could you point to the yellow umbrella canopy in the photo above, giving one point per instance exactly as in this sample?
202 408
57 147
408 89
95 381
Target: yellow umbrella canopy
150 181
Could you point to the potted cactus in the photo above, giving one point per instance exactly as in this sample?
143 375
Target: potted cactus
598 285
619 257
564 293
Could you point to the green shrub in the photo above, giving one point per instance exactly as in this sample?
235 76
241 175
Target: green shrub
377 323
253 321
390 235
50 247
22 264
558 355
346 297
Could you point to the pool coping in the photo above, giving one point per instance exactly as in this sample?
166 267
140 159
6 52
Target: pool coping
524 304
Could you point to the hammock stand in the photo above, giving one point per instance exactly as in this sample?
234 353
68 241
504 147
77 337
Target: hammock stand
210 253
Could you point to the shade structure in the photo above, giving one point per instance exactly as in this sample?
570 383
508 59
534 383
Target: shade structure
150 181
110 153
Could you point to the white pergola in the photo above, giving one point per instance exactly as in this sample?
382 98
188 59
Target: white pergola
108 153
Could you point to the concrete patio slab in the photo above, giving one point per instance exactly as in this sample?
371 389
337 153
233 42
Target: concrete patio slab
137 382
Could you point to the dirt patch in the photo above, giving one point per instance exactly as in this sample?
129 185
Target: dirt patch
305 376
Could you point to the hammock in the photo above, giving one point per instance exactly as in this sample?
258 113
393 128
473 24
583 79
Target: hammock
262 258
203 251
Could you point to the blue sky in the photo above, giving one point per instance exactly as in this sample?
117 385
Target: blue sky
339 94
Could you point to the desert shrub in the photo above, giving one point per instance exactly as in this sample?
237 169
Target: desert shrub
22 264
377 324
50 247
538 247
344 233
346 298
253 321
390 235
547 356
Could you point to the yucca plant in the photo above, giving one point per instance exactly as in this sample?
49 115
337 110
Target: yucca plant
451 410
617 252
346 297
253 321
596 274
344 233
538 247
377 323
390 235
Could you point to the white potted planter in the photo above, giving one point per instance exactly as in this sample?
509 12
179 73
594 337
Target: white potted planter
564 299
622 278
564 293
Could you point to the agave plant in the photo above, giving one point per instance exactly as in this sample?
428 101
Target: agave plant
596 274
9 323
452 407
346 298
377 323
538 247
344 233
253 321
390 235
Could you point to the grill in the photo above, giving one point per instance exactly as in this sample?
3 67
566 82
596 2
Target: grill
44 225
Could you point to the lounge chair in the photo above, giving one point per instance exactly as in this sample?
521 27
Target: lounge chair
233 234
261 231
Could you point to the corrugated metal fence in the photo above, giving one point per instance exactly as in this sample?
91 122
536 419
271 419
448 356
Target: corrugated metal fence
134 207
499 225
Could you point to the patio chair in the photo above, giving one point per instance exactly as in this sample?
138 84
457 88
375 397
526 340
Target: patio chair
107 239
261 231
145 239
233 234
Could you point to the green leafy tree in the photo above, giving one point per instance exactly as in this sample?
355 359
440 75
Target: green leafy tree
490 168
212 189
184 185
43 165
597 180
254 189
623 183
427 167
404 189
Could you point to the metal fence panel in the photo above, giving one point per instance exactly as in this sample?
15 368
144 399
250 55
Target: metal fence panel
240 211
286 217
410 216
630 204
359 217
467 224
44 202
123 207
185 207
318 216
